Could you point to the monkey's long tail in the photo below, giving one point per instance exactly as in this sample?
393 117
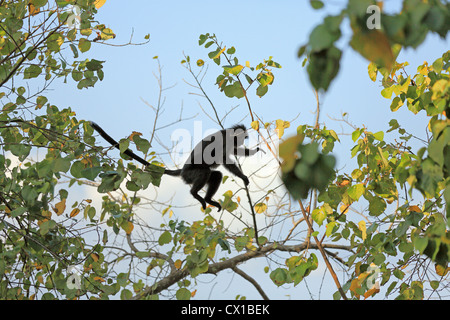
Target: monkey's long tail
115 144
128 152
174 173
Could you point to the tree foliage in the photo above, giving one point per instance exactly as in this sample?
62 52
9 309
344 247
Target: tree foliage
54 245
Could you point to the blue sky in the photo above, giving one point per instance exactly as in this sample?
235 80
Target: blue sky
257 29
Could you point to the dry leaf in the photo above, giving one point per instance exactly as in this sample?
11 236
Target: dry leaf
60 207
99 3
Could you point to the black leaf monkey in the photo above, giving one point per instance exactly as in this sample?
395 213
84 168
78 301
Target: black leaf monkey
214 150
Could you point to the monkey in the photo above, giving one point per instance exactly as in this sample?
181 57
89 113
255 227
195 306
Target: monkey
214 150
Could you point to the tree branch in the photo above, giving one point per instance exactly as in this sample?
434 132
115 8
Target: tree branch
232 263
252 281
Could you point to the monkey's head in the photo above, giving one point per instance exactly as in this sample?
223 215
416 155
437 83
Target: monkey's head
239 132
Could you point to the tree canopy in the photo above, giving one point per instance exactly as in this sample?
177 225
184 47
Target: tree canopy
57 244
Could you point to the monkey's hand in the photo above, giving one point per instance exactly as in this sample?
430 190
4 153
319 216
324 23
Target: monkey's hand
259 149
245 179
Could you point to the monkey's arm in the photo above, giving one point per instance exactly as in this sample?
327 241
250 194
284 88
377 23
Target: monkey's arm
233 168
243 151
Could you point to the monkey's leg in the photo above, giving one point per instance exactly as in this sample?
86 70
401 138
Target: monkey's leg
213 185
200 180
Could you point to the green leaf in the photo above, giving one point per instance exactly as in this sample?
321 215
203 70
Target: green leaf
183 294
377 205
399 274
235 70
356 134
434 284
396 103
165 238
61 165
318 215
279 276
20 150
379 135
94 65
84 45
126 294
356 191
261 90
76 168
321 38
387 93
420 243
323 66
74 50
77 75
141 144
90 173
316 4
373 45
55 41
18 212
46 226
373 70
32 72
41 101
240 243
132 186
110 181
234 90
39 3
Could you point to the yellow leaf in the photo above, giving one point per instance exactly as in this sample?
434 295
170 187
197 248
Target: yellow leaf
371 292
74 212
374 46
415 209
166 210
280 126
260 207
238 199
86 32
247 64
99 3
42 221
107 33
60 40
219 53
255 125
287 151
343 183
200 62
178 264
33 10
95 257
344 208
362 227
128 227
228 193
60 207
354 286
441 271
133 134
99 279
193 293
439 88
